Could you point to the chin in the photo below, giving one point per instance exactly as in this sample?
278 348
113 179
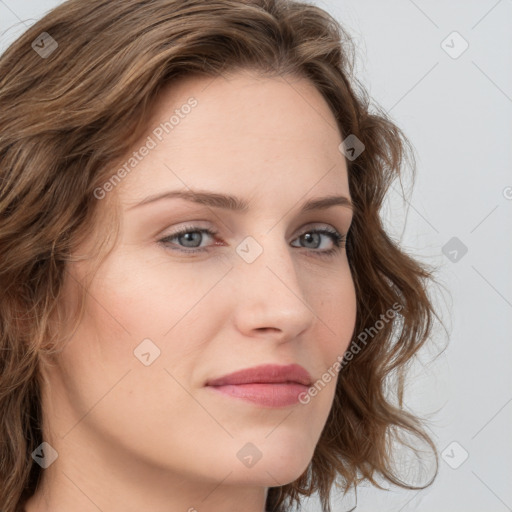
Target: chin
279 465
268 476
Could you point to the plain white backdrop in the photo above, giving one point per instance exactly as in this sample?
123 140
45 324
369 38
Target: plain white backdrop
443 72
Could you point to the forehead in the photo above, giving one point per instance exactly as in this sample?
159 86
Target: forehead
242 132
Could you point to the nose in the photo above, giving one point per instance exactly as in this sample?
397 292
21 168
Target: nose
269 294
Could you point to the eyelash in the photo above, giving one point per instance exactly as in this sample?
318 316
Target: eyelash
337 238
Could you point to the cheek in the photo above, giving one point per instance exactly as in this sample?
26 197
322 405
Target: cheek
336 308
124 311
163 315
151 298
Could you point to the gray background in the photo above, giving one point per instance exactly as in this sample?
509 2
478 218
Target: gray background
456 112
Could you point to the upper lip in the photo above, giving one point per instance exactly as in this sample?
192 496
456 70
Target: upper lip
266 373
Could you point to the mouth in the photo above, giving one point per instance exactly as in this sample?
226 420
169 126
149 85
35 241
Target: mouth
268 385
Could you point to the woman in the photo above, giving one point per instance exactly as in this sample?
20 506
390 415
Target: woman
200 306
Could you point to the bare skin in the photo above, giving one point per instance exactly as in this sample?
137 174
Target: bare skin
132 437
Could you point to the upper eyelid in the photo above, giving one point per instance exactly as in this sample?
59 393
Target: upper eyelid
197 226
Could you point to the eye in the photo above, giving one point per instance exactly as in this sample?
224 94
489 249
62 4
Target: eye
189 238
313 239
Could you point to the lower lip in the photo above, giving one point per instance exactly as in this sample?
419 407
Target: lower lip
269 395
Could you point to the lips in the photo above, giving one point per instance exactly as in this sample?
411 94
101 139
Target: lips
265 374
266 385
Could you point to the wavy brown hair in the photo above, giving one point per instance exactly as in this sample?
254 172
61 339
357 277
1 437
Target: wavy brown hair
66 118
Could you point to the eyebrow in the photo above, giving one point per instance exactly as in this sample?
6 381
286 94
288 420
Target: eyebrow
229 202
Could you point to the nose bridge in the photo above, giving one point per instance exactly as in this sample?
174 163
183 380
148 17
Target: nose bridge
269 257
271 292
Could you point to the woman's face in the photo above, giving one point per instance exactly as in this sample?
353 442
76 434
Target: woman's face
163 319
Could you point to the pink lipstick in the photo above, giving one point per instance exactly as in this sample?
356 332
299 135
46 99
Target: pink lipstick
268 385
